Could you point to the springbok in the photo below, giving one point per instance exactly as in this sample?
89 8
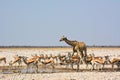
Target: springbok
99 62
30 62
115 61
55 58
62 59
3 59
75 59
88 60
45 62
17 59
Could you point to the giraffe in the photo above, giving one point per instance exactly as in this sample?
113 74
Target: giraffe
79 47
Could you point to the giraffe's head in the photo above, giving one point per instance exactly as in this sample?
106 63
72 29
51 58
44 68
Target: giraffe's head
63 38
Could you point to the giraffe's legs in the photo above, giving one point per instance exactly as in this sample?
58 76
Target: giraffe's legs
82 57
85 52
79 54
73 51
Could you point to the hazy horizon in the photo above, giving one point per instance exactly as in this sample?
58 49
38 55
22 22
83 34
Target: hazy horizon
42 23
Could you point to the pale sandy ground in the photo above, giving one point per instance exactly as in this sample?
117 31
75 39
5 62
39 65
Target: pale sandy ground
64 76
87 75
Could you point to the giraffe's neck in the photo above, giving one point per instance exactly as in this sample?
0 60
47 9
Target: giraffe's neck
69 42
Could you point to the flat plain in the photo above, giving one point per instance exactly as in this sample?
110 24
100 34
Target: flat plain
63 73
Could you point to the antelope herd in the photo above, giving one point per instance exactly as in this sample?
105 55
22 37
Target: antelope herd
37 61
43 60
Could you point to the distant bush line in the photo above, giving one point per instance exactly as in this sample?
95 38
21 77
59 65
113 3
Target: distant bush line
52 46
